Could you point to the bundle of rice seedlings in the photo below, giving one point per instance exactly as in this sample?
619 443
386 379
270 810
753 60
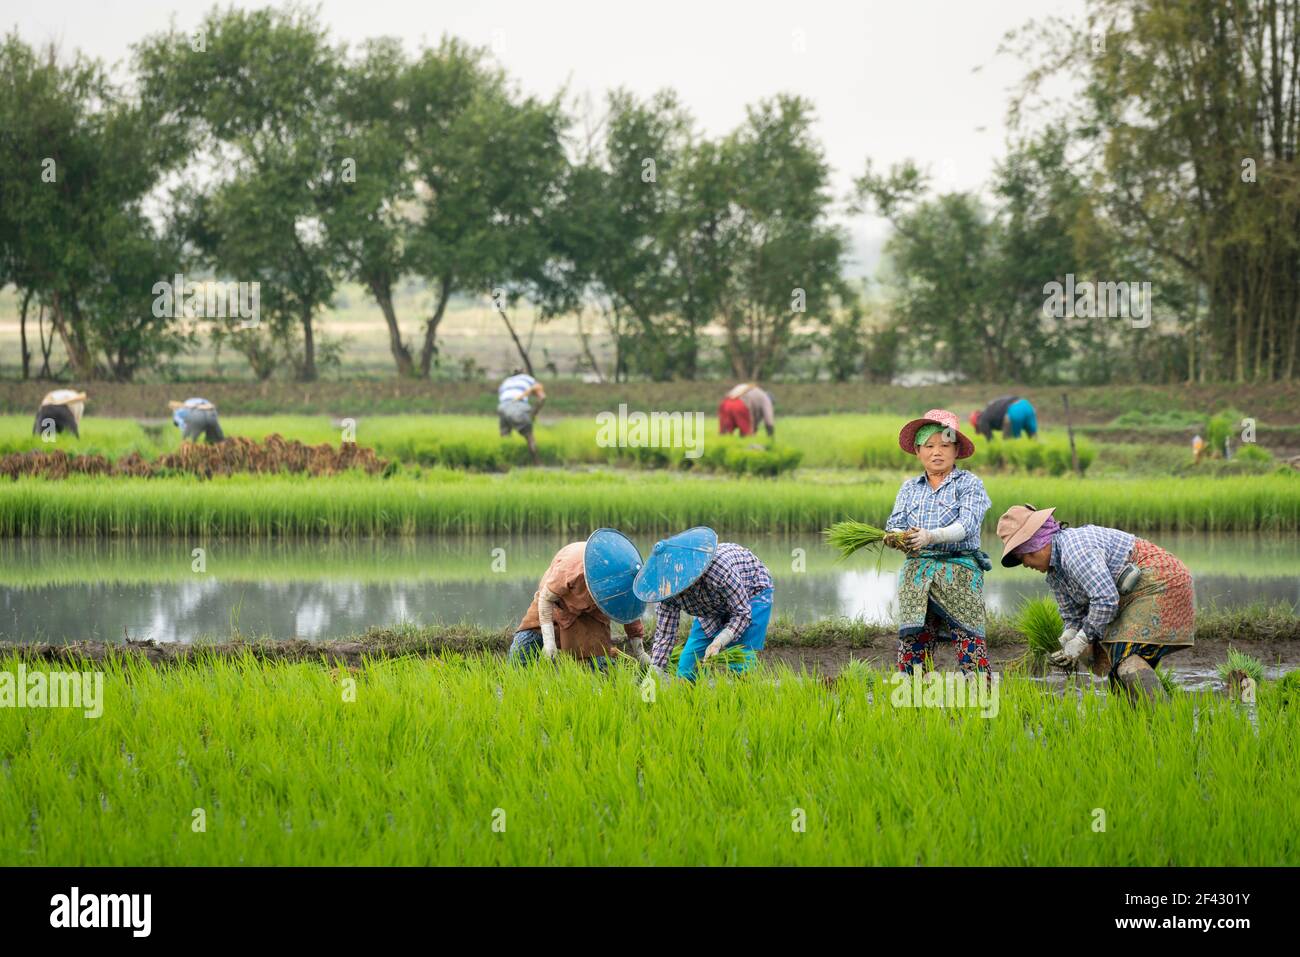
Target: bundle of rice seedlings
1236 668
849 536
733 654
1040 622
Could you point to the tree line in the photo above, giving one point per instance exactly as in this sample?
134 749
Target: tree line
257 149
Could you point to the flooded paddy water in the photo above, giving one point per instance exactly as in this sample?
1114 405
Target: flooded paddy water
167 590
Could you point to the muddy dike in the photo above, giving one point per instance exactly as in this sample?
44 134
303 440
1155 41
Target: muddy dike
1268 634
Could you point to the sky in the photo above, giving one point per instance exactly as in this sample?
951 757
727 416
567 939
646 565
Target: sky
918 79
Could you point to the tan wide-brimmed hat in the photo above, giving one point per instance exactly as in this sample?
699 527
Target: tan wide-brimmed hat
1017 526
907 437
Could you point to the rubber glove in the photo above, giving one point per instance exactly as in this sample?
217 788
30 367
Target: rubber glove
637 648
724 638
1071 651
545 614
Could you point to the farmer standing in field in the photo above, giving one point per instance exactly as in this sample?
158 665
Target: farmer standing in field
936 520
757 405
1126 603
726 588
61 410
588 585
1009 414
197 417
515 412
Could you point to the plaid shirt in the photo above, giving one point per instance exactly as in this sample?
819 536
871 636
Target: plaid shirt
1085 564
718 599
961 498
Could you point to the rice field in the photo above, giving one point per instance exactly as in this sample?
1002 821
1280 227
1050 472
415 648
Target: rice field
473 442
443 501
464 760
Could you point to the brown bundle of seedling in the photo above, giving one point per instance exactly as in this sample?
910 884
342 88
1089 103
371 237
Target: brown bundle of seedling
232 456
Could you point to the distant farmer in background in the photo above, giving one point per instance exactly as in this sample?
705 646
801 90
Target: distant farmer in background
588 585
515 412
1009 414
60 410
726 588
197 417
1126 603
757 408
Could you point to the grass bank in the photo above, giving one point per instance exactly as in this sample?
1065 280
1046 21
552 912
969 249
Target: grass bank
1258 623
444 501
462 760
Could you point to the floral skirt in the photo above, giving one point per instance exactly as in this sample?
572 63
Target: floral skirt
949 591
1160 611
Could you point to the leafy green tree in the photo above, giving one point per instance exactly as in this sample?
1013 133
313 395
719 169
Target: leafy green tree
260 91
78 159
782 257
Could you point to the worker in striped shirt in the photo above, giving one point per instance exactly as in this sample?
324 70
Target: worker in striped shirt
724 586
514 410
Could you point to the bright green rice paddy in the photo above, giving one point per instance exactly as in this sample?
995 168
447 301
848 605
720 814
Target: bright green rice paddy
581 769
445 501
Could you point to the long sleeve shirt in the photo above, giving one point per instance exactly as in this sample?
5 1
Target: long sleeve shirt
961 498
719 598
1082 572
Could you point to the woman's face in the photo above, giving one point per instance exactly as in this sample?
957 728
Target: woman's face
1038 560
936 454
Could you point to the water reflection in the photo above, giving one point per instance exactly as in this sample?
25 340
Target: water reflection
58 591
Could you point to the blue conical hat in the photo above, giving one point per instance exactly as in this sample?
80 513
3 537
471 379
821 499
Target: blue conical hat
676 563
610 562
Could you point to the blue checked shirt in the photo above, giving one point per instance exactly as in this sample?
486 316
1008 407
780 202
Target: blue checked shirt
961 498
1085 564
718 598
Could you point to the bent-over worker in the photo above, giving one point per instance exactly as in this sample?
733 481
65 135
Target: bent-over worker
1125 602
60 410
197 417
588 585
515 412
726 588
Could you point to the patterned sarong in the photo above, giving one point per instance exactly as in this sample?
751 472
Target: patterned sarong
1160 611
949 588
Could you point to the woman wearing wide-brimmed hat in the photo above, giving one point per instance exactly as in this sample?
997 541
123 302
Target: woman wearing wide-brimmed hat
936 520
1126 603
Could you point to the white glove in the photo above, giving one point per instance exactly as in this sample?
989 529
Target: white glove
638 652
1066 636
545 614
1071 651
724 638
659 675
924 537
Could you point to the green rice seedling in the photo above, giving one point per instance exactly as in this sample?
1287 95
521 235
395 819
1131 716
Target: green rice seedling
733 654
448 501
850 536
1236 668
1167 679
416 767
1040 622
